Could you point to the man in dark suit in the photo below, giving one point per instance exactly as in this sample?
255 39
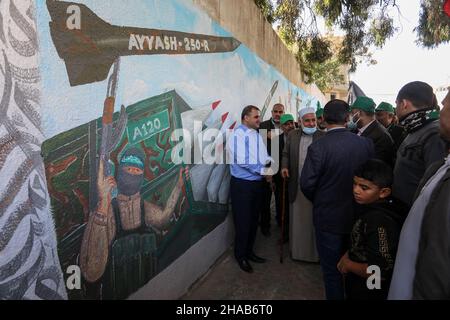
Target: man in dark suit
385 115
287 126
327 181
271 124
363 114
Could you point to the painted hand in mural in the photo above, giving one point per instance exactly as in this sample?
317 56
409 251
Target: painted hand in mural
183 175
105 185
159 218
100 230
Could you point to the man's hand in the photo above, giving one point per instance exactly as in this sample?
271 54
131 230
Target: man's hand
343 264
285 173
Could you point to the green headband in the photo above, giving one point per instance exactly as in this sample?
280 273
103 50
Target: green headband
132 161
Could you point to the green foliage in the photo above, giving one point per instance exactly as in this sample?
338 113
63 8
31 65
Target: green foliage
365 23
266 9
324 75
434 24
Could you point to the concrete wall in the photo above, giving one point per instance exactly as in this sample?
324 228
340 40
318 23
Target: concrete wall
195 263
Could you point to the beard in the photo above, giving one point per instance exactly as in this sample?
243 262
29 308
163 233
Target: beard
129 184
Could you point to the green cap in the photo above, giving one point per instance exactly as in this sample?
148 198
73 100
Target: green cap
384 106
319 111
364 103
286 117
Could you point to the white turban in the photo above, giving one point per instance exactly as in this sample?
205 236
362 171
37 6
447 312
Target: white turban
305 111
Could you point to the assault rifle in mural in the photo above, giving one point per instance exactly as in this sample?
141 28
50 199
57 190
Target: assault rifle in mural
89 48
268 99
110 137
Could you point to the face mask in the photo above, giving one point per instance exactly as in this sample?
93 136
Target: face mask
309 131
129 184
352 125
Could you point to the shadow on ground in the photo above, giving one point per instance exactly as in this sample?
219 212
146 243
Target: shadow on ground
292 280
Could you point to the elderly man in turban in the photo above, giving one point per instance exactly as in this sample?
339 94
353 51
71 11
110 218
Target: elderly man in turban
301 231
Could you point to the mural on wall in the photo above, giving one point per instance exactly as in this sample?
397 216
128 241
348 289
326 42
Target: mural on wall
123 155
29 263
118 79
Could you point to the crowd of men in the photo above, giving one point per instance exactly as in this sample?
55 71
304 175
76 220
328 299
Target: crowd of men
366 186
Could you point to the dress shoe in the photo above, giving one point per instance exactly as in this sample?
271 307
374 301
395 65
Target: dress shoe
253 257
245 265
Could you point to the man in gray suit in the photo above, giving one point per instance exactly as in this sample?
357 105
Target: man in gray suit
301 231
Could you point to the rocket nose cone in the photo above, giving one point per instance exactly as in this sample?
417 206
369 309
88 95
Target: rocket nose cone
236 43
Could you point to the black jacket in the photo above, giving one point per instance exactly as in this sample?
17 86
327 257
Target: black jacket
327 178
384 145
267 125
398 134
374 240
417 153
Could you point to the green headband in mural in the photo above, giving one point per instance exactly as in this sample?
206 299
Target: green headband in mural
133 157
132 161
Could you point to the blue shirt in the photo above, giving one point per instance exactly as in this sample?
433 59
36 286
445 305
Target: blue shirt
247 154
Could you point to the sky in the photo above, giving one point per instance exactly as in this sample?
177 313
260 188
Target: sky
401 61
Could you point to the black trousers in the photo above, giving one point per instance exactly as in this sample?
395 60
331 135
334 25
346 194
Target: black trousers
278 205
265 206
246 198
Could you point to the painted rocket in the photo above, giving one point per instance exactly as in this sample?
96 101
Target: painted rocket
90 47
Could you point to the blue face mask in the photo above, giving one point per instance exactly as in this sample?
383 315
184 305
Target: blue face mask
309 131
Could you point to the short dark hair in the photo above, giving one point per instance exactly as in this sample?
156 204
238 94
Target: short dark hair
247 110
336 111
278 105
419 93
376 171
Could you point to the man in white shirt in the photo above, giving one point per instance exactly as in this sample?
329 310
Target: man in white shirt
250 168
